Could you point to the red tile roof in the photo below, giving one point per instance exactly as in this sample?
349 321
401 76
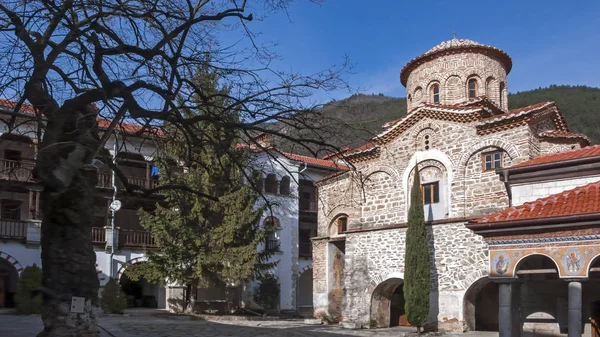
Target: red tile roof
585 152
565 134
580 200
25 107
130 128
314 161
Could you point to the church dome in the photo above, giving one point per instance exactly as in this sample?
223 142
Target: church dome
455 46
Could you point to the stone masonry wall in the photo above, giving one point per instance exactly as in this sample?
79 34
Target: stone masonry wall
460 258
452 72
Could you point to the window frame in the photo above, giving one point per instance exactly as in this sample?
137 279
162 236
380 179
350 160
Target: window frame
16 210
342 224
432 193
492 156
475 90
435 97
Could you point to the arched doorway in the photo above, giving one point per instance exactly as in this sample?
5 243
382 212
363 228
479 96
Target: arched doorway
543 296
481 306
142 293
387 304
9 278
305 293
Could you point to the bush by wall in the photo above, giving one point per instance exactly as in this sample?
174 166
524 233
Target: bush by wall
30 280
113 300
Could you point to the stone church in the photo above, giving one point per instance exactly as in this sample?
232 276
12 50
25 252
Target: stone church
511 245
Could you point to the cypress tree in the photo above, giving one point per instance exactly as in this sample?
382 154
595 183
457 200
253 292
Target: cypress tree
201 242
417 264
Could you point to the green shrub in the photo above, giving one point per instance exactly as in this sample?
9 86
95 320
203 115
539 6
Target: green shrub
30 279
113 299
267 292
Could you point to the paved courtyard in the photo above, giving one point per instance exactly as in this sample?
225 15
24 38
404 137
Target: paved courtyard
137 325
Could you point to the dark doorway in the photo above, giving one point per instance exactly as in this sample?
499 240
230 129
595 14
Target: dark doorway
140 293
9 277
397 313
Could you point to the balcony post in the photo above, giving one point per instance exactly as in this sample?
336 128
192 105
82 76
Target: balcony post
112 239
148 168
34 232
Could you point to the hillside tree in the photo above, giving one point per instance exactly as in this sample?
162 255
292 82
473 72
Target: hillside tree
201 241
417 263
69 63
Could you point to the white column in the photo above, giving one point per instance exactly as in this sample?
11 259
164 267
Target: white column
574 309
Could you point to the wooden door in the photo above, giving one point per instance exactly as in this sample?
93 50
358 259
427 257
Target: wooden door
3 289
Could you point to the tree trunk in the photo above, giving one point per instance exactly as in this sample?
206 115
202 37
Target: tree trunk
191 292
68 258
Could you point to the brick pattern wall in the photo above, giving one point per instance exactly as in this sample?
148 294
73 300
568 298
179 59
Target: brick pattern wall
452 73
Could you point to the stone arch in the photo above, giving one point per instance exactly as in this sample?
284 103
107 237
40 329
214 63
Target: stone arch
522 259
429 92
417 133
491 88
478 82
478 145
453 89
365 178
305 289
12 260
130 263
333 228
480 305
417 96
307 267
434 155
99 272
594 260
387 304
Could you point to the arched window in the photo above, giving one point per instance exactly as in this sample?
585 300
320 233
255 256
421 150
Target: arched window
409 98
435 93
271 184
501 100
284 186
339 225
472 87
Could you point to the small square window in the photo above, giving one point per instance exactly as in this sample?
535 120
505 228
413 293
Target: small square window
431 193
492 160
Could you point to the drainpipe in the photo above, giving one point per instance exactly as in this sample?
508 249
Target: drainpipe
507 186
112 212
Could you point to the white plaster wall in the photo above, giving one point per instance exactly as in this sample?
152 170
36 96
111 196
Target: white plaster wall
522 193
25 255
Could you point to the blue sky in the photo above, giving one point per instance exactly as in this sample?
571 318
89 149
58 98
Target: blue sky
550 42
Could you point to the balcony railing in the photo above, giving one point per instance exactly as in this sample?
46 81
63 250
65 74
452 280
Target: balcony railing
305 249
309 205
272 244
16 170
138 238
98 235
105 181
13 229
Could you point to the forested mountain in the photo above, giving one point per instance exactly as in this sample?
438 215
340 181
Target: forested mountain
363 115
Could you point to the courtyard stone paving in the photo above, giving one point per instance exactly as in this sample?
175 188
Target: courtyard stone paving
161 326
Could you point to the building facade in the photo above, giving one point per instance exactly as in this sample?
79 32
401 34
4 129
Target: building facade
458 135
288 183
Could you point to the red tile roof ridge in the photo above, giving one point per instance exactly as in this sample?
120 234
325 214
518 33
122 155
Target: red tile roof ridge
312 160
564 134
517 112
560 204
584 152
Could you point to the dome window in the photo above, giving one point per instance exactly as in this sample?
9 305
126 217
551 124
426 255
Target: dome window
472 88
435 93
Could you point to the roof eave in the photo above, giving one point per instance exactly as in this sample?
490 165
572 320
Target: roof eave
532 222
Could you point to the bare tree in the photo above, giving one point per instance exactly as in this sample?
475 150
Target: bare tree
73 62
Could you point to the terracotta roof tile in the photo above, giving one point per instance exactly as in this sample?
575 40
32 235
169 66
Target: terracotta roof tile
7 104
314 161
585 152
580 200
518 112
564 134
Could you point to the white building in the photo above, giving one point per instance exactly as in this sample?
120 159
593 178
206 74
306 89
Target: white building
288 181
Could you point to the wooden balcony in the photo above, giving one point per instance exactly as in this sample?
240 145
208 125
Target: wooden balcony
13 229
98 235
310 206
305 249
135 238
14 170
105 181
